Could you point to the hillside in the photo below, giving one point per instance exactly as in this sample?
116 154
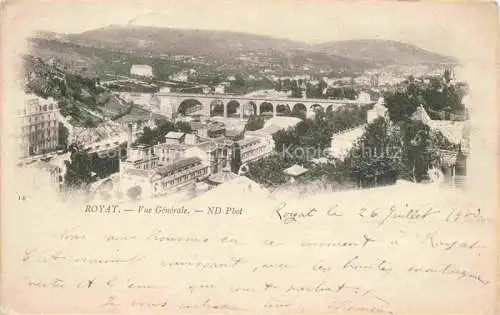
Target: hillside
155 42
81 99
382 52
214 55
159 41
101 61
91 61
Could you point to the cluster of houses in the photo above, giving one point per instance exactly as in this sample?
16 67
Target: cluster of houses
205 154
185 159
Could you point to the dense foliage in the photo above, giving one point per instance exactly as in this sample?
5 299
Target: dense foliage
254 123
312 134
75 94
63 133
376 157
389 149
440 97
317 132
78 169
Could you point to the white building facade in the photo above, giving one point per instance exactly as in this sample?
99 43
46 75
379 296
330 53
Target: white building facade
142 70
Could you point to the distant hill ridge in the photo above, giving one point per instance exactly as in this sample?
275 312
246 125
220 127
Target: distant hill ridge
159 41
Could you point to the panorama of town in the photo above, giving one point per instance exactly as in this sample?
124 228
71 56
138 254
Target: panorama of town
127 125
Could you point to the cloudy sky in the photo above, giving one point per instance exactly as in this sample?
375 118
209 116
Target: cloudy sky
441 27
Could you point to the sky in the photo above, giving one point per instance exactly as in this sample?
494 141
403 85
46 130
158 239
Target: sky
441 27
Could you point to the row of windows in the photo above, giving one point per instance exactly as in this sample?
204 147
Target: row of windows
39 117
41 133
180 180
36 149
39 129
248 149
183 170
252 153
34 140
146 166
32 108
252 144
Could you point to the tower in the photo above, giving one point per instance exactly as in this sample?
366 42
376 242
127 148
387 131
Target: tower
303 89
129 135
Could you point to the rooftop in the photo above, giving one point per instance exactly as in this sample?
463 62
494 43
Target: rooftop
174 135
282 122
141 66
137 172
196 125
225 176
247 141
295 170
177 165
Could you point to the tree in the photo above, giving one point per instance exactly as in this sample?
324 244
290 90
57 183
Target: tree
236 158
269 171
321 87
231 107
183 126
419 153
376 158
239 81
62 142
438 96
401 105
89 123
157 135
296 92
134 192
298 112
104 165
254 123
78 169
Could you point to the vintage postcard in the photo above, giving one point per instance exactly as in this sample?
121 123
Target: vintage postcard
249 157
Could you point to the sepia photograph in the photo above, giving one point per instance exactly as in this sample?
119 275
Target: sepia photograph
249 157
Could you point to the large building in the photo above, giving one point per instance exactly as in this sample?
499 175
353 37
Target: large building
140 157
182 172
255 147
141 70
39 126
215 153
208 129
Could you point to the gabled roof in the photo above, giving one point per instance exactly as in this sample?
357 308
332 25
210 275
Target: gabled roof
452 130
421 115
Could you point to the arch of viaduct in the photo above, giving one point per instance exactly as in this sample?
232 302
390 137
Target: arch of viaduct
173 101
